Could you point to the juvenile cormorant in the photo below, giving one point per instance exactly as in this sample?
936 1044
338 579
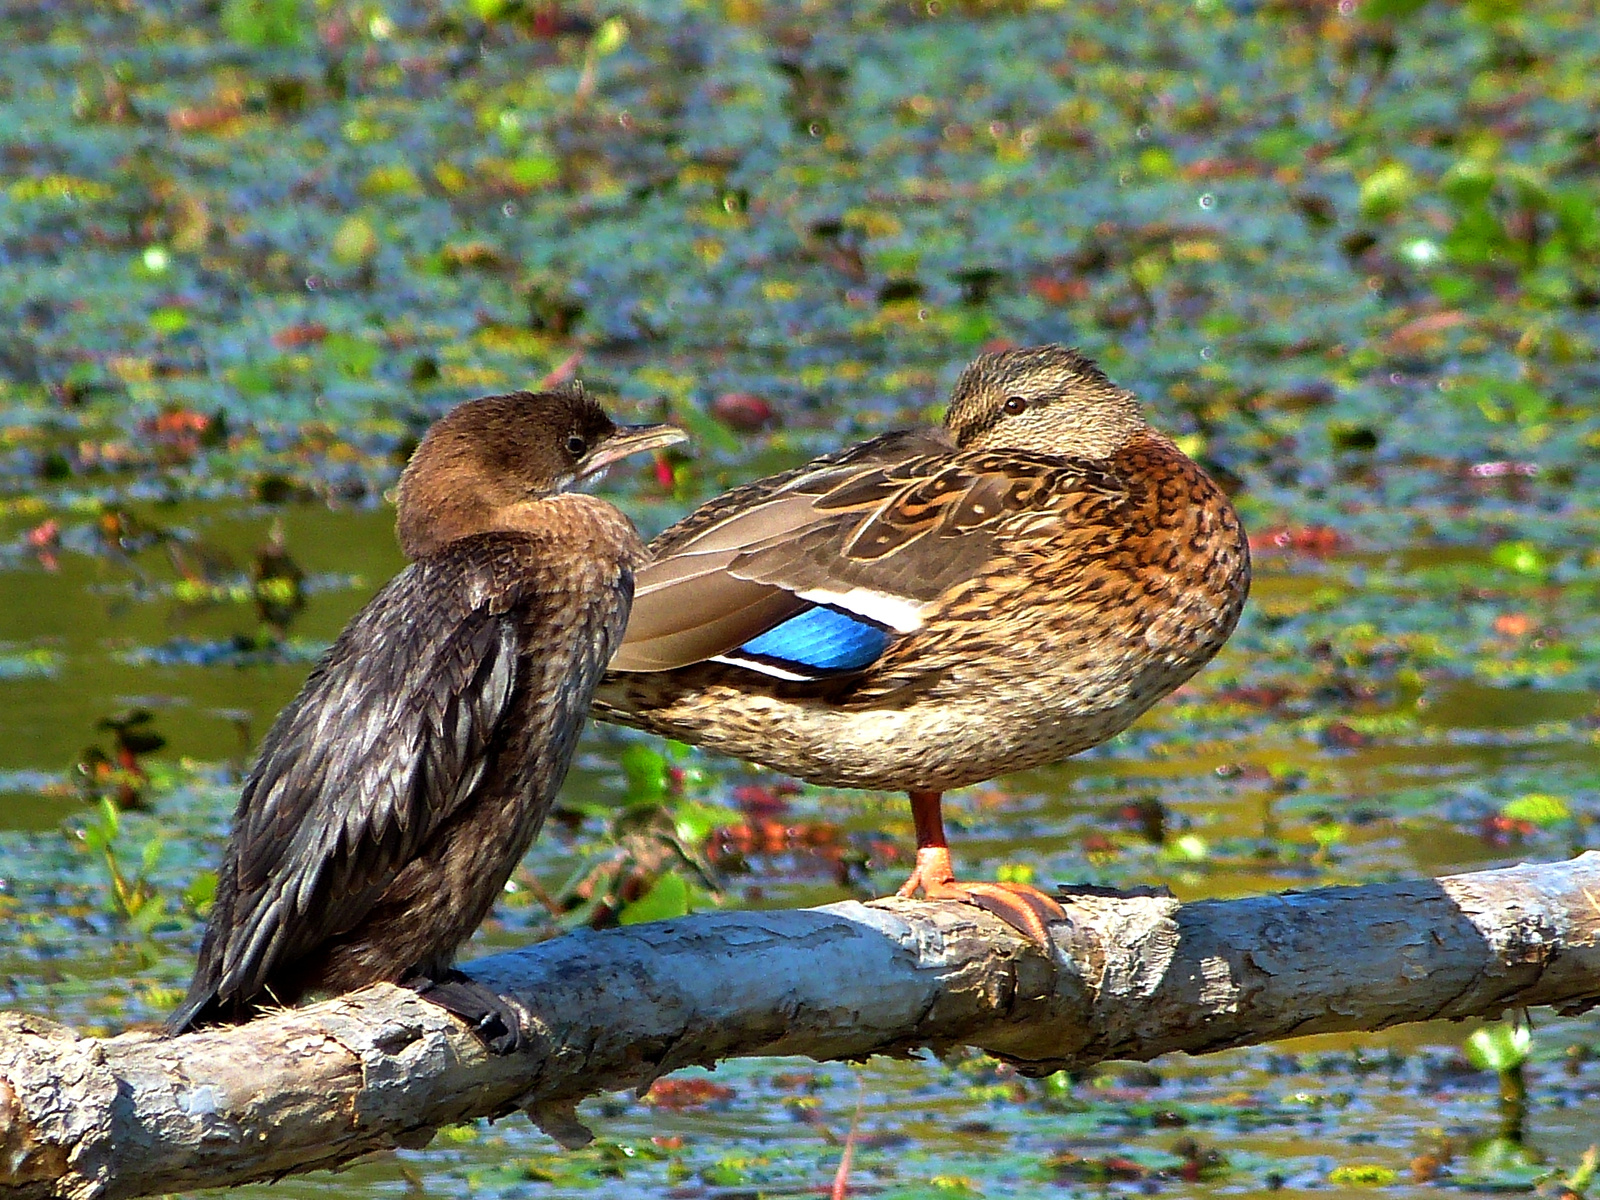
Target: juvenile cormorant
395 794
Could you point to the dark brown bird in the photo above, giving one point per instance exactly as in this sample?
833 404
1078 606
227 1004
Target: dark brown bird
936 607
396 793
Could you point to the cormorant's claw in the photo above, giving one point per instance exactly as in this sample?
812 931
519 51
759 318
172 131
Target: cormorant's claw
493 1018
1026 909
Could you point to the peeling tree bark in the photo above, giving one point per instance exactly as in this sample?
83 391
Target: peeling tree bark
1132 977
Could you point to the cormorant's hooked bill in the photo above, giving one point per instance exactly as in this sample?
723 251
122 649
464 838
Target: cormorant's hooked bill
628 440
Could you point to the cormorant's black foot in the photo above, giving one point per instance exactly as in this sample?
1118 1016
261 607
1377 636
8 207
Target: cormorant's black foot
491 1016
1159 891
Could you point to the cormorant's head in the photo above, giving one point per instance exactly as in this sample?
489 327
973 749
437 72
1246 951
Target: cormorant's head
1047 399
488 455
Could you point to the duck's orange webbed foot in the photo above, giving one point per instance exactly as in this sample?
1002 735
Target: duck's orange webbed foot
1021 906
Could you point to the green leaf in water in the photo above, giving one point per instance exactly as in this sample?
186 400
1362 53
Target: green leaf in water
168 321
1363 1175
610 37
729 1171
202 890
1391 10
1499 1047
353 356
1522 557
1583 1175
30 664
146 911
533 171
1190 847
668 898
646 772
355 241
1537 809
263 23
694 822
394 179
1387 190
1015 872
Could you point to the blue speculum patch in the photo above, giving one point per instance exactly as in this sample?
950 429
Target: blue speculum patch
821 639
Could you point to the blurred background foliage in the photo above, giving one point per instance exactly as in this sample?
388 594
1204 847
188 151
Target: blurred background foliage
1348 254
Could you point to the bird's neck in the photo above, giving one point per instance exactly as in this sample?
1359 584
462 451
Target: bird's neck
426 528
576 519
580 522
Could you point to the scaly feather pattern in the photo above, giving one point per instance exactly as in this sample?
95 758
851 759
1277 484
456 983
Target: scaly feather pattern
881 532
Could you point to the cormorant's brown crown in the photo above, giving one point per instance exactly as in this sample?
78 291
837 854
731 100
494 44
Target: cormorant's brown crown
488 455
1047 399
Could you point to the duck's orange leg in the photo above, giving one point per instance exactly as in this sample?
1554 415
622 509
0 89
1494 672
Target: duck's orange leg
1024 908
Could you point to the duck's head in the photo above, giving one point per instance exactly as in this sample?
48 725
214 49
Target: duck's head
1045 399
484 458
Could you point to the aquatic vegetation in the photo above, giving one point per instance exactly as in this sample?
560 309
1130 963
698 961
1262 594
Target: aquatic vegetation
1349 253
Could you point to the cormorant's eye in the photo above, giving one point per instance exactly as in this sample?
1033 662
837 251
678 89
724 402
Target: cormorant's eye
576 446
1015 405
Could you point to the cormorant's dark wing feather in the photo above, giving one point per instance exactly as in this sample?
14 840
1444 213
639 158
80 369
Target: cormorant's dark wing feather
387 738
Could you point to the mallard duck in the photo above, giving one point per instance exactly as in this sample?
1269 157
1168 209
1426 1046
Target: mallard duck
936 607
395 794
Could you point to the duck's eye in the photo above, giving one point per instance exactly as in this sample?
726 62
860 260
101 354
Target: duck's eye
1015 405
576 446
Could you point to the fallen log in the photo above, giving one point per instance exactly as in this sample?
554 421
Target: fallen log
1131 977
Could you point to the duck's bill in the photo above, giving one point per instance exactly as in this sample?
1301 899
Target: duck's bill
629 440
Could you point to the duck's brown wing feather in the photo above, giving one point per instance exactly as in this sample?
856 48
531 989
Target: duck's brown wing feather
880 531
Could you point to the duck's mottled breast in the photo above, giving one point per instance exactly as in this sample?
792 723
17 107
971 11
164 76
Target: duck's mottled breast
1117 577
1191 546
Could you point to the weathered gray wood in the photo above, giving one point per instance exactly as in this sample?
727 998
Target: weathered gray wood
1132 977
